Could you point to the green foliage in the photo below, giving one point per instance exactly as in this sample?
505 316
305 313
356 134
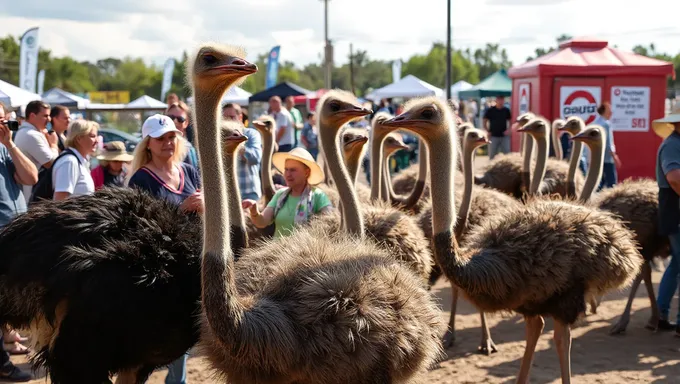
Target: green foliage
134 75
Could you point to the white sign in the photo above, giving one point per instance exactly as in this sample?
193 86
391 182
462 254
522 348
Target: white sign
28 60
524 98
630 109
580 101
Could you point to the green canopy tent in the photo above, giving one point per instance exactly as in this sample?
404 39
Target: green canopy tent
497 84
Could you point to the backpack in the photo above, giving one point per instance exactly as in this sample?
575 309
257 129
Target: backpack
44 188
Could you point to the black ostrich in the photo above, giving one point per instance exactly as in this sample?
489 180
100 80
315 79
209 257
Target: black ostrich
113 278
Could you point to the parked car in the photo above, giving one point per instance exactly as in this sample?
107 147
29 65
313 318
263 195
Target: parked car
112 134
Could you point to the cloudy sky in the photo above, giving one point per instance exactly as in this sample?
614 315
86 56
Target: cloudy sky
156 29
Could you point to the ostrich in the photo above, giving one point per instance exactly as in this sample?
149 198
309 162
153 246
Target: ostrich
573 126
557 129
540 260
335 308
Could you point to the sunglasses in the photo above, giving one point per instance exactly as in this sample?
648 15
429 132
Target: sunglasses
178 118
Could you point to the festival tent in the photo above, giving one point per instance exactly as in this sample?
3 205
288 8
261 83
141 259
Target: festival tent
56 96
497 84
408 86
145 102
281 90
14 96
234 95
461 85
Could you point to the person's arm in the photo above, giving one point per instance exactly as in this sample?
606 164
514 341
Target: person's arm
261 219
673 178
24 170
280 132
65 176
611 147
485 120
43 148
252 153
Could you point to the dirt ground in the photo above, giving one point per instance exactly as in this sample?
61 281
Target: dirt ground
639 356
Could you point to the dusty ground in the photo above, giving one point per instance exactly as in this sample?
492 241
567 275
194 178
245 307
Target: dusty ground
639 356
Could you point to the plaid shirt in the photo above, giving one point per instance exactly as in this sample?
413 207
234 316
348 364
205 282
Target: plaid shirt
249 169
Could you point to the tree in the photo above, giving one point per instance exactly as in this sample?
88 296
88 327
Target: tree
543 51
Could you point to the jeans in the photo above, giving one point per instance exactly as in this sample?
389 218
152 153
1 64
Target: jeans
250 195
582 166
608 176
285 147
499 144
366 165
669 281
314 152
177 371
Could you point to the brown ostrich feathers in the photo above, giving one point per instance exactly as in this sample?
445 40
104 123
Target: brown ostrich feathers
392 230
544 258
503 173
555 180
321 307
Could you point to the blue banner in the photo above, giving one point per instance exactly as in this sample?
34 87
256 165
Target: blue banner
272 67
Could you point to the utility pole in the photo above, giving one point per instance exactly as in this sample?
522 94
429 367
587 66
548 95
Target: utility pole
351 67
328 50
448 49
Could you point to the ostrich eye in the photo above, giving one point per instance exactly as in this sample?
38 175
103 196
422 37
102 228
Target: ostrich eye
335 107
209 59
427 113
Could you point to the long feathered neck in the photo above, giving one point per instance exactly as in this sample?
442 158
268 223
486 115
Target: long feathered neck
468 165
555 140
526 160
574 159
419 189
386 191
219 297
594 171
266 165
239 239
353 163
377 140
541 163
354 223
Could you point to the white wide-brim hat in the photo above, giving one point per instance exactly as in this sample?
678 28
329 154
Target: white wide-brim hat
664 127
316 175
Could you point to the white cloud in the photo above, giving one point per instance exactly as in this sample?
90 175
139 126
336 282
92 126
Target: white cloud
156 29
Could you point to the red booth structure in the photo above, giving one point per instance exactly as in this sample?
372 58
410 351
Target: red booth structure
580 75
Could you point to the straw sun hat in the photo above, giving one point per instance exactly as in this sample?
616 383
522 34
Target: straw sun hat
114 151
300 154
664 127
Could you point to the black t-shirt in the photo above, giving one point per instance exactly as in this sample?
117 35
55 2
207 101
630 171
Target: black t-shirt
498 118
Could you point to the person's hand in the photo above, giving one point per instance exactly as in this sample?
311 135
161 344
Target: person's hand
247 203
52 138
617 161
5 135
193 203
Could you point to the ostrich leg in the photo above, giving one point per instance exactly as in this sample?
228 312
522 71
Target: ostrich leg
487 346
450 335
534 327
647 277
562 337
621 325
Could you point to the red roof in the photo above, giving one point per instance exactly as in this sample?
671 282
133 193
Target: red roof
303 98
591 57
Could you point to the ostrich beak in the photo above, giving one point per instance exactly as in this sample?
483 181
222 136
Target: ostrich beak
238 138
483 140
358 140
352 111
238 65
259 123
522 129
582 137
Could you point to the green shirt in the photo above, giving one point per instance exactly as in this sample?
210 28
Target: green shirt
297 116
285 219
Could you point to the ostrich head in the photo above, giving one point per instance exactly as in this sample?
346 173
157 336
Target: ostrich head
378 119
573 125
428 117
558 124
232 136
463 128
336 108
476 137
593 136
353 141
393 143
537 127
525 118
265 124
216 65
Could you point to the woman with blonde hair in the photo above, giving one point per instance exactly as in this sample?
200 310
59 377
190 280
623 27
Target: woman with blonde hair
71 170
179 113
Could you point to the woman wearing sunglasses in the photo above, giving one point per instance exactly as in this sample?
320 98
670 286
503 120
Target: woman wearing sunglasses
179 113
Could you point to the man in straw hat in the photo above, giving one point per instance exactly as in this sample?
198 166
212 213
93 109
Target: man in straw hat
668 178
294 204
111 169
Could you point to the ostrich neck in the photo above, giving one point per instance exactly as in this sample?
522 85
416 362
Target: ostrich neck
419 189
557 146
353 162
468 164
526 160
266 165
386 192
443 160
377 139
239 239
353 221
594 171
574 158
541 163
219 296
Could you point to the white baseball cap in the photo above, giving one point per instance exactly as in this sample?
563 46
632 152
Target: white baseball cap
157 126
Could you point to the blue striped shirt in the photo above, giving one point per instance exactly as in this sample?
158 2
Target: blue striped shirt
249 169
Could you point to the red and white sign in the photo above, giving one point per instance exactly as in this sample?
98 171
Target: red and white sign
524 98
630 109
580 101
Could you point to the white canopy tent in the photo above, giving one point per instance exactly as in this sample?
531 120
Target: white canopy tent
14 96
235 95
146 102
56 96
408 86
461 85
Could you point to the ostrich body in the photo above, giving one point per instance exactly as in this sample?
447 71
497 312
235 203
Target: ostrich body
99 266
539 260
334 309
